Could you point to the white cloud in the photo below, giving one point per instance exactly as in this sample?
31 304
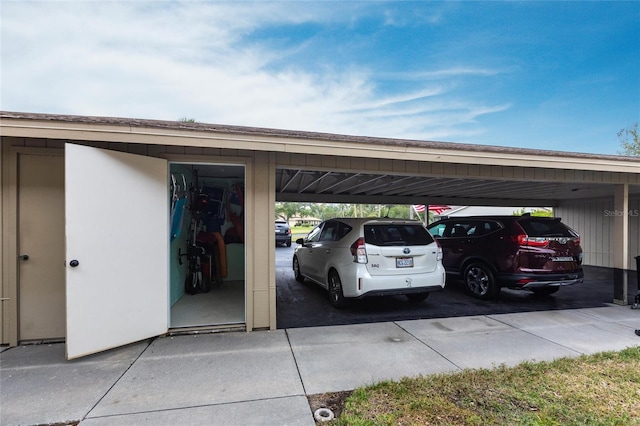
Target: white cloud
166 60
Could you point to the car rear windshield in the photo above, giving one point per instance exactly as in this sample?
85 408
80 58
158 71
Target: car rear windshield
546 228
397 235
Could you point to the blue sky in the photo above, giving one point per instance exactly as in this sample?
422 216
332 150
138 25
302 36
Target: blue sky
548 75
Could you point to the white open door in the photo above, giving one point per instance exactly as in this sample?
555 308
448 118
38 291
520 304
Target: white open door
117 248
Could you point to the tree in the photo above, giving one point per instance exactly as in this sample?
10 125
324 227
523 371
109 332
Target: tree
542 212
630 141
396 211
286 210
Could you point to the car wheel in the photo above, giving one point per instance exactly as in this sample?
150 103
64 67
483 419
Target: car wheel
296 270
480 282
544 291
336 296
417 297
289 243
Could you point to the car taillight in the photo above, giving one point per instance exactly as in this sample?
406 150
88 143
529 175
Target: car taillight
439 252
358 251
289 231
525 240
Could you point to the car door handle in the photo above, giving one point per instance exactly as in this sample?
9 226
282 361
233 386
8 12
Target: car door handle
23 257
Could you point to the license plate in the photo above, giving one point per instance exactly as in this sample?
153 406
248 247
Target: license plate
404 262
562 259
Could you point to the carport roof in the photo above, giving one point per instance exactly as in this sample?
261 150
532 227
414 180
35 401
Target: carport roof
541 177
345 187
280 133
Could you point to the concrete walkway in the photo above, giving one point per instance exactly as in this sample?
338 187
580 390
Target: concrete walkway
263 377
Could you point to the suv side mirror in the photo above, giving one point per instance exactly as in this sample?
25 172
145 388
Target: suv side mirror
300 241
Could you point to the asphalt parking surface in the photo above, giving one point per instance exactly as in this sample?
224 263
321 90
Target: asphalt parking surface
307 305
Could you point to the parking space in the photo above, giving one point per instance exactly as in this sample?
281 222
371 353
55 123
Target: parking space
307 305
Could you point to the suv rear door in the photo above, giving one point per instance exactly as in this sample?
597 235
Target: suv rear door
549 246
282 227
399 248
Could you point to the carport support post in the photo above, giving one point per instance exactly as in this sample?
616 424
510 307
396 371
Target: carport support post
620 244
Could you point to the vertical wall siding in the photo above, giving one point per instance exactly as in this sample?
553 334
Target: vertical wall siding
634 230
162 151
588 219
593 220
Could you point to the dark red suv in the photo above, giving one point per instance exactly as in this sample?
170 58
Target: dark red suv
539 254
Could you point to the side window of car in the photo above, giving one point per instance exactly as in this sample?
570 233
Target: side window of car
343 230
458 229
314 235
329 232
480 228
474 230
486 227
438 230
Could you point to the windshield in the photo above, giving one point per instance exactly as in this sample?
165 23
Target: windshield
397 234
546 228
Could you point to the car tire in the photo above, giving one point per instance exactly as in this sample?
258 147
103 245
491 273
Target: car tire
417 297
296 270
289 243
480 282
544 291
336 295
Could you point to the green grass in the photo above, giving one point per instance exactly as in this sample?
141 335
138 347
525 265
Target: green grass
601 389
300 231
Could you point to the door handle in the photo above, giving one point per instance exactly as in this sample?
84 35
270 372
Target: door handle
23 257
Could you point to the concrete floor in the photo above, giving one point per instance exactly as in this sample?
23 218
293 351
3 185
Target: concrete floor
222 305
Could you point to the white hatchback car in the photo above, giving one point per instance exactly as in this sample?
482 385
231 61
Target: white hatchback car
354 258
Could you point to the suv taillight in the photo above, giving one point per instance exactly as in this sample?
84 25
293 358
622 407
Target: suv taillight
289 231
525 240
358 251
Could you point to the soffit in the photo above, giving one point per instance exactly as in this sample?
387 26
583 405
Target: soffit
342 186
